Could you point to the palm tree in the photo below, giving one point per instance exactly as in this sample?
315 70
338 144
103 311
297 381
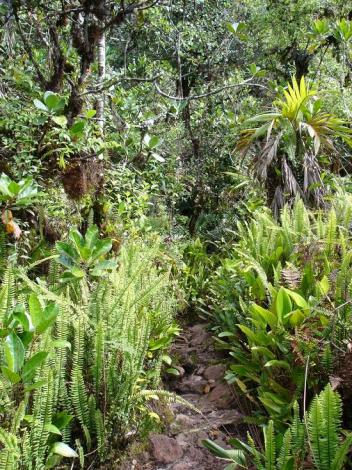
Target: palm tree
287 143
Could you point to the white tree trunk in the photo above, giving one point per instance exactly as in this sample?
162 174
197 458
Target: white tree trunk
101 75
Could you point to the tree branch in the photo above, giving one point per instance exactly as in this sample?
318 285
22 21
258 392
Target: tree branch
28 49
121 14
115 81
247 82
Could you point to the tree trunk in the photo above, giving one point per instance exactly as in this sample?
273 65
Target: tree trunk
101 76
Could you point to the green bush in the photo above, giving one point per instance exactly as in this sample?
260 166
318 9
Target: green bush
77 370
316 438
281 302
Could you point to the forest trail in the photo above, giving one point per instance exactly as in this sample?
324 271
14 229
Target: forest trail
200 383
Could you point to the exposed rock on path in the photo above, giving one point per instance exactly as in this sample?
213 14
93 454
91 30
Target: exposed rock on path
200 383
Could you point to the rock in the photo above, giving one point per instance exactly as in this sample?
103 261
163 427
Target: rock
183 422
194 454
220 397
187 439
200 336
219 418
192 383
182 466
165 449
215 372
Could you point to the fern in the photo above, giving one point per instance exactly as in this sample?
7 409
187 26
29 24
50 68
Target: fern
314 430
330 237
324 426
79 399
42 416
257 456
10 455
331 411
101 434
269 442
340 457
98 368
7 293
98 354
285 455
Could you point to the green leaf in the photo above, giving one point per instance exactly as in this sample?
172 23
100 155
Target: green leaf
40 105
92 236
268 316
14 188
52 429
283 304
62 419
324 286
298 299
14 352
224 334
236 28
160 343
90 113
253 69
52 461
248 332
151 141
63 449
68 255
77 272
101 248
296 317
26 337
28 190
173 371
67 249
10 375
277 363
60 120
31 365
264 351
5 182
77 238
77 127
51 100
269 444
103 266
167 359
232 455
49 316
23 318
35 309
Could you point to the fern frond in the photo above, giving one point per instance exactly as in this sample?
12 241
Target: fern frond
101 435
286 450
257 456
7 293
331 411
42 415
9 456
269 442
340 457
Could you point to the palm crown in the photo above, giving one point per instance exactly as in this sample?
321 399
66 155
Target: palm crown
288 140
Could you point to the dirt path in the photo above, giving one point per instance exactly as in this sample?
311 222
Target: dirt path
200 383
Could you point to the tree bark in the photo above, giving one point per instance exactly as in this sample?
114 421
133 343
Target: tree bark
100 107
